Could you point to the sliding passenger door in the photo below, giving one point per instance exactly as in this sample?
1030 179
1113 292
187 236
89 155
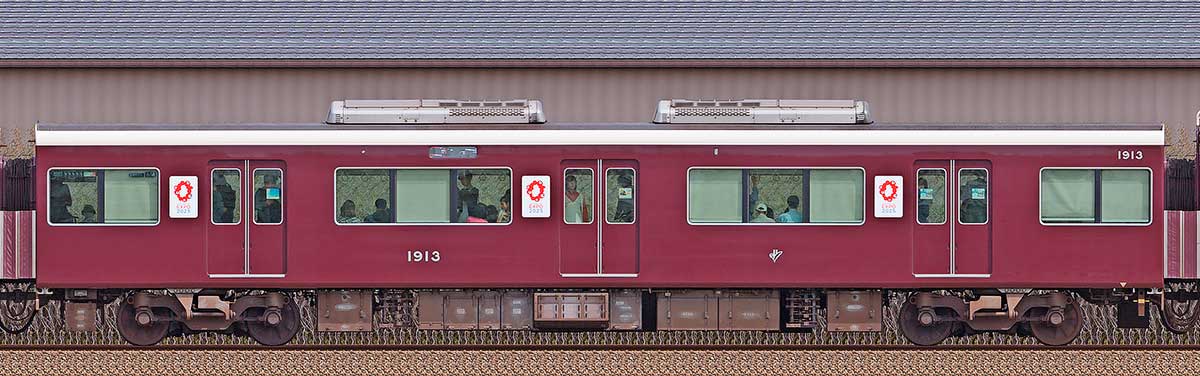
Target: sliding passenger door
952 225
225 232
932 218
598 236
245 234
578 236
266 234
973 224
619 230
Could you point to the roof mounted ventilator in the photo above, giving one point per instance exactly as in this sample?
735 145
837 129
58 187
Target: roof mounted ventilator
436 111
762 111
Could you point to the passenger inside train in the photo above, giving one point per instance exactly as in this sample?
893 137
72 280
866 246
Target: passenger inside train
576 203
225 197
267 208
422 196
346 213
381 214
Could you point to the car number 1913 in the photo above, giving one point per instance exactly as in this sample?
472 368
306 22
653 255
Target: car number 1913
424 255
1129 154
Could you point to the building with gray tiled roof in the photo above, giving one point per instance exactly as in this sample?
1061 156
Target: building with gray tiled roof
599 30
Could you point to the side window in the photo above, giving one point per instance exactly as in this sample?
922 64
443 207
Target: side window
422 196
1068 195
103 196
226 196
268 196
972 196
620 184
1071 196
1125 196
837 195
931 196
359 192
715 196
776 196
578 195
483 194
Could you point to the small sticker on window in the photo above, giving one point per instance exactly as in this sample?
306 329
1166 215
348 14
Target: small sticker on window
978 193
273 193
925 194
625 193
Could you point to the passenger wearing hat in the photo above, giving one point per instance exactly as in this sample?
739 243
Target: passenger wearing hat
760 214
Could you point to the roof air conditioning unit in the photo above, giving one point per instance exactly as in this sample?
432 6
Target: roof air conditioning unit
762 111
436 111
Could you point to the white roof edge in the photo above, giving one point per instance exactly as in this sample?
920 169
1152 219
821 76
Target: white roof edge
598 137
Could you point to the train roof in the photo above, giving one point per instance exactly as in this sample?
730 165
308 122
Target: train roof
596 134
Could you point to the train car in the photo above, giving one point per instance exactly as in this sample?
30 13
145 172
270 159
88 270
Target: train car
719 215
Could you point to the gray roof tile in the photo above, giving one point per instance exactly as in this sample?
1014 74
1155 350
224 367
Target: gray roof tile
616 29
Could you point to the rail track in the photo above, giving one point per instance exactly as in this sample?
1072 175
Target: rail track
589 347
364 360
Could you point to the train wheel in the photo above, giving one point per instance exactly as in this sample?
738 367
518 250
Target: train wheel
1060 327
16 315
140 327
1179 316
275 326
929 333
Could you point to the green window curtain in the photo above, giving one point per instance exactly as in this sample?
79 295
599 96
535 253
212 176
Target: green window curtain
1125 196
422 196
836 196
1068 195
715 196
130 196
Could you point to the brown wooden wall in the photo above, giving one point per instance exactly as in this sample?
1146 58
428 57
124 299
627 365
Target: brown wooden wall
1169 95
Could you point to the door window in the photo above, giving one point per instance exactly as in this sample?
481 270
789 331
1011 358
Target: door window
620 202
268 196
931 196
577 199
972 196
226 196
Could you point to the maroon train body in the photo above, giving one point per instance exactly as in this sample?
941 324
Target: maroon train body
659 250
644 268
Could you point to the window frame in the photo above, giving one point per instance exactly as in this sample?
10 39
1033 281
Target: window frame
1150 197
212 194
987 201
336 204
592 220
635 195
158 194
282 192
688 192
945 202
